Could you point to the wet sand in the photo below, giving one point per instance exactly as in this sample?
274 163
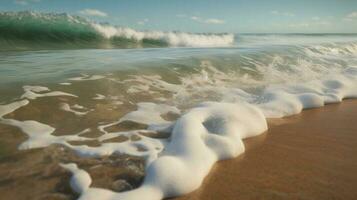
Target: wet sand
36 174
307 156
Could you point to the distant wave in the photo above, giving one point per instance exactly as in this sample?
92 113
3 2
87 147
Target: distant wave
27 29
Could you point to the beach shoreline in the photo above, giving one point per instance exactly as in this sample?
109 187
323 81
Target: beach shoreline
178 100
306 156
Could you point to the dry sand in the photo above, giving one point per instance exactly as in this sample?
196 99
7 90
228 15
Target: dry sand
312 155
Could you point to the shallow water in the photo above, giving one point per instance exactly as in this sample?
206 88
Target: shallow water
102 102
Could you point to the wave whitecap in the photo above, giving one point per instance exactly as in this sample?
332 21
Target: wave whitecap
32 29
170 38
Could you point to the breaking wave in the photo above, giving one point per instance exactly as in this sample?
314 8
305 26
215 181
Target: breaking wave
181 110
28 30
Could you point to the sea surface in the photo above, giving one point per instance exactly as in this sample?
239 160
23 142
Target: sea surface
100 90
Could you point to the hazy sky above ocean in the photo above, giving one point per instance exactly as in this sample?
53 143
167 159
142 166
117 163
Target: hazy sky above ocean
239 16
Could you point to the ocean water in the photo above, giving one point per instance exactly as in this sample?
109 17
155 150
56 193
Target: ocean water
180 101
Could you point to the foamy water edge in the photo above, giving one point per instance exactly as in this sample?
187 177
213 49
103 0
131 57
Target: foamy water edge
205 134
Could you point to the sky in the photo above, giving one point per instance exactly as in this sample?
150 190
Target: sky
233 16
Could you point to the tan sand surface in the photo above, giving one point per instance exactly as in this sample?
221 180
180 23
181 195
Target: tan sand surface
312 155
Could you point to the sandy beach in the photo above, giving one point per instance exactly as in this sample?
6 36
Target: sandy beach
179 100
307 156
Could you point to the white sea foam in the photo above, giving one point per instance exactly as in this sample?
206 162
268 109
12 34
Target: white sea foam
66 107
349 49
99 97
146 147
210 132
33 92
195 87
214 131
80 180
65 83
9 108
280 101
149 113
86 77
176 39
203 135
40 135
